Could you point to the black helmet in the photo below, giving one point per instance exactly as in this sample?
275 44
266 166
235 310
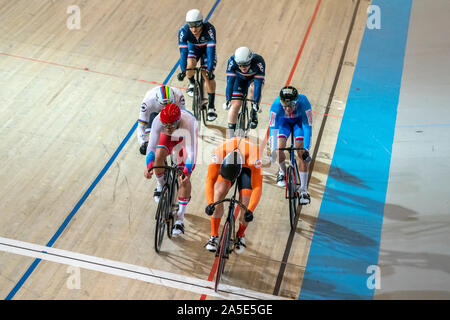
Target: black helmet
231 166
288 94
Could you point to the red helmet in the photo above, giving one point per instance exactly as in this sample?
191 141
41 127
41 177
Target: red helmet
170 113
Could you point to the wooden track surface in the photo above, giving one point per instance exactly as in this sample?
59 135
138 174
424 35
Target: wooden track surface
68 99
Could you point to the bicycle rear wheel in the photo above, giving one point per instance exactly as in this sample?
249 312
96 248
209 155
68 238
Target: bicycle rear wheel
161 213
223 252
291 184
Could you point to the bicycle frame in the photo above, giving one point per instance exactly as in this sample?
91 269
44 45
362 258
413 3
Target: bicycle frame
228 235
243 120
198 105
292 195
171 185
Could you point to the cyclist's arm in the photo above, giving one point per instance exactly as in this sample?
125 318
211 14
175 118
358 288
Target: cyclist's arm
211 178
211 47
191 146
231 78
142 124
307 123
183 46
259 82
153 141
259 79
274 121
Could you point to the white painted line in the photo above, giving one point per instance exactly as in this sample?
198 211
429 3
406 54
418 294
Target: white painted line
131 271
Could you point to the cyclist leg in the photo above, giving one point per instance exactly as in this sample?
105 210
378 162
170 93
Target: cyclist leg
283 134
193 57
184 188
245 192
253 113
210 87
162 150
240 89
302 165
221 188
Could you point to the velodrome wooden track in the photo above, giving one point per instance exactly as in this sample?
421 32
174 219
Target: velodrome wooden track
69 98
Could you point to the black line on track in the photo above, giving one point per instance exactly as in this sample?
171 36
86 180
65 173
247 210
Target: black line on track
290 240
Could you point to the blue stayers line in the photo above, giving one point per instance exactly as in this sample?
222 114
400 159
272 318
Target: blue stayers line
346 241
35 263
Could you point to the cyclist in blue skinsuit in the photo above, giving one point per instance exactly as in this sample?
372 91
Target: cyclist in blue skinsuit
245 70
291 109
197 41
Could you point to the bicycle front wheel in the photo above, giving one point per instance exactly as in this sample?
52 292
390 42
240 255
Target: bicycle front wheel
173 207
243 122
291 184
161 213
203 106
223 252
197 102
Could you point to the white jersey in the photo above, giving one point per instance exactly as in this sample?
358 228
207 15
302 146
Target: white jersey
187 129
150 105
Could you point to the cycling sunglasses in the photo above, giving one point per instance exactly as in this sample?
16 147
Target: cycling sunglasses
290 103
244 65
170 126
195 24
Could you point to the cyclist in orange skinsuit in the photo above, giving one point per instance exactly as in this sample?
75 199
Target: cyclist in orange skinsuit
249 180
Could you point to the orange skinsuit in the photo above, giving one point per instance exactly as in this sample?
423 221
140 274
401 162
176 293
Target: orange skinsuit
250 153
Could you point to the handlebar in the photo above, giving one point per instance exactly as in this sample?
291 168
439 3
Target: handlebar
196 68
305 156
168 168
242 99
229 200
290 148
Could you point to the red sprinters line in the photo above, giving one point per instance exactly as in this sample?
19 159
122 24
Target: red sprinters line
263 145
294 67
211 275
75 68
303 43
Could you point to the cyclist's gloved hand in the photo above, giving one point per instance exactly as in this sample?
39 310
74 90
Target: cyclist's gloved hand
248 216
181 75
209 210
305 156
210 74
143 148
227 105
255 106
186 172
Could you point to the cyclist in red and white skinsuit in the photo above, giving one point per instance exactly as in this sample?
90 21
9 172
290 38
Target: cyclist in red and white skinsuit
173 130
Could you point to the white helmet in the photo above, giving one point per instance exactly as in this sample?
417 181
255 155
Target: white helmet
194 17
165 95
243 56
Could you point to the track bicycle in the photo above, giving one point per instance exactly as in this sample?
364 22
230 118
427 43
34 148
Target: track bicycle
168 204
198 100
293 180
243 121
228 235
